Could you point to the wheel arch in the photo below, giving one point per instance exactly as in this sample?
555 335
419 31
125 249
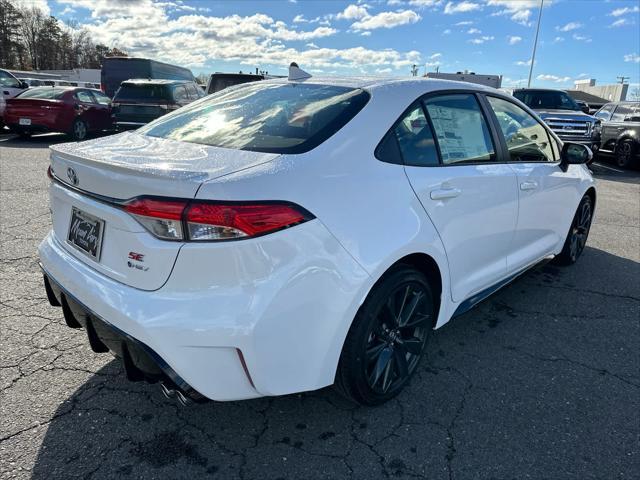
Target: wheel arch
591 191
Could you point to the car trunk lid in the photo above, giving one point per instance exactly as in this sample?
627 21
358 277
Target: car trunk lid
96 177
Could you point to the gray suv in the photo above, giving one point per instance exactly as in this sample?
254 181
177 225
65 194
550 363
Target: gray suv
621 131
563 115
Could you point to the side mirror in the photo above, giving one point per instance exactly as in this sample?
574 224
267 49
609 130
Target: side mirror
633 118
24 85
574 154
585 109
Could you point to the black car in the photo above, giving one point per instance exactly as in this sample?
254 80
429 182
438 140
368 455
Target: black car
138 101
621 131
563 115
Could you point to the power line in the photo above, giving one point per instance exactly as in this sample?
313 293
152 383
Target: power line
622 78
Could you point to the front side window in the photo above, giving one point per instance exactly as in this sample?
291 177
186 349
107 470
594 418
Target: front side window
263 117
546 99
8 81
101 98
527 140
605 112
461 129
415 139
180 93
85 97
624 112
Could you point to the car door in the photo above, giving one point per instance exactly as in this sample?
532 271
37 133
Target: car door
88 108
103 110
607 138
470 195
545 191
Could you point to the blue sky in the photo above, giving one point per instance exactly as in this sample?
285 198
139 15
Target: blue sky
578 38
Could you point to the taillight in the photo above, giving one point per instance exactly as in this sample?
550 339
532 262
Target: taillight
163 218
210 221
213 221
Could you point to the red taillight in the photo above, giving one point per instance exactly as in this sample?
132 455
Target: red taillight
163 218
211 221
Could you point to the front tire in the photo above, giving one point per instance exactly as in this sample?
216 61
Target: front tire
79 130
578 233
625 150
387 338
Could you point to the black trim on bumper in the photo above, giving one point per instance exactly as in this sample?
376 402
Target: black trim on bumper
140 361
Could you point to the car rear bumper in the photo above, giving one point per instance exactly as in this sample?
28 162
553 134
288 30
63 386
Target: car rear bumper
237 320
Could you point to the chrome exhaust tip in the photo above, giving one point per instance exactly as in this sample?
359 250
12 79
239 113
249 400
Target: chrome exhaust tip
173 393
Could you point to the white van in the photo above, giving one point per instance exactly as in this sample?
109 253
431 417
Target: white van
10 86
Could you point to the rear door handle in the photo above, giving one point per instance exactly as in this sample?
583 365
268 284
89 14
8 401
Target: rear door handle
528 185
444 193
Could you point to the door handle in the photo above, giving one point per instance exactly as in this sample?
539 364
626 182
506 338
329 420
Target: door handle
444 193
528 185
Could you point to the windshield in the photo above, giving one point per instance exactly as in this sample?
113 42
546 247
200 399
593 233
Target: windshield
8 81
263 117
142 92
45 93
545 99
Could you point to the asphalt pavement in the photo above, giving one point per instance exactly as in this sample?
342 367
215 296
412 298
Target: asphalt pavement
541 381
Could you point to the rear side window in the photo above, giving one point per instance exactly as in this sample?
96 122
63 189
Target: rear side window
141 92
623 112
415 139
263 117
44 93
461 129
101 98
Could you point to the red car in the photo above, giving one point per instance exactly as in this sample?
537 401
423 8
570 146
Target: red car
72 110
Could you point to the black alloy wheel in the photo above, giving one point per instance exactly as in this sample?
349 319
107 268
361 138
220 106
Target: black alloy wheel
624 153
387 339
578 233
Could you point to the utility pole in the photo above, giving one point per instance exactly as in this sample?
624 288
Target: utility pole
535 45
622 79
414 70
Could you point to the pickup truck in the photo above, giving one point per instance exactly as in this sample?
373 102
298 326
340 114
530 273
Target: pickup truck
563 115
621 131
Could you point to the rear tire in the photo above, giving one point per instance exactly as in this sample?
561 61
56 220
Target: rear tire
625 151
578 233
79 130
387 338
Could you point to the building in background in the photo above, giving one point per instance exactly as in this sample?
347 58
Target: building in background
494 81
593 101
616 92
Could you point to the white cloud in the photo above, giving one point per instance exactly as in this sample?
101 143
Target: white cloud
473 31
581 38
624 10
422 3
553 78
513 39
353 12
558 39
386 20
632 57
41 4
523 63
517 10
569 27
311 45
435 55
446 32
366 33
466 22
461 7
481 40
621 22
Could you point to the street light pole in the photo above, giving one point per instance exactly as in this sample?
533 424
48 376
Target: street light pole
535 44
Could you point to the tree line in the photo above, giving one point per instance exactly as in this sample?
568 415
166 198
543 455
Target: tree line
31 40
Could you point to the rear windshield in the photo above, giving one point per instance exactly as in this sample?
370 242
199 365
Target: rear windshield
142 92
47 93
540 99
261 117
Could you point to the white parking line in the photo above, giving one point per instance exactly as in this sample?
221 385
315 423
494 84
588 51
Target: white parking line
608 167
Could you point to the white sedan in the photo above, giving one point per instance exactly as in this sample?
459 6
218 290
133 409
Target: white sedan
286 235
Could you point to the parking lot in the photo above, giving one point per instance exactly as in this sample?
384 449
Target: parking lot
541 381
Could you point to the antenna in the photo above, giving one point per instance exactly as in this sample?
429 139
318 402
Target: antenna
296 73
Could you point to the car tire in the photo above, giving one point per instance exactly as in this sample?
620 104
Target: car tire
387 338
24 134
79 130
625 151
578 233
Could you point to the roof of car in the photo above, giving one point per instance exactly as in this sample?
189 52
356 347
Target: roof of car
370 83
155 81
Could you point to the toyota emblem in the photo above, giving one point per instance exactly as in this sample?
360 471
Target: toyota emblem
71 173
